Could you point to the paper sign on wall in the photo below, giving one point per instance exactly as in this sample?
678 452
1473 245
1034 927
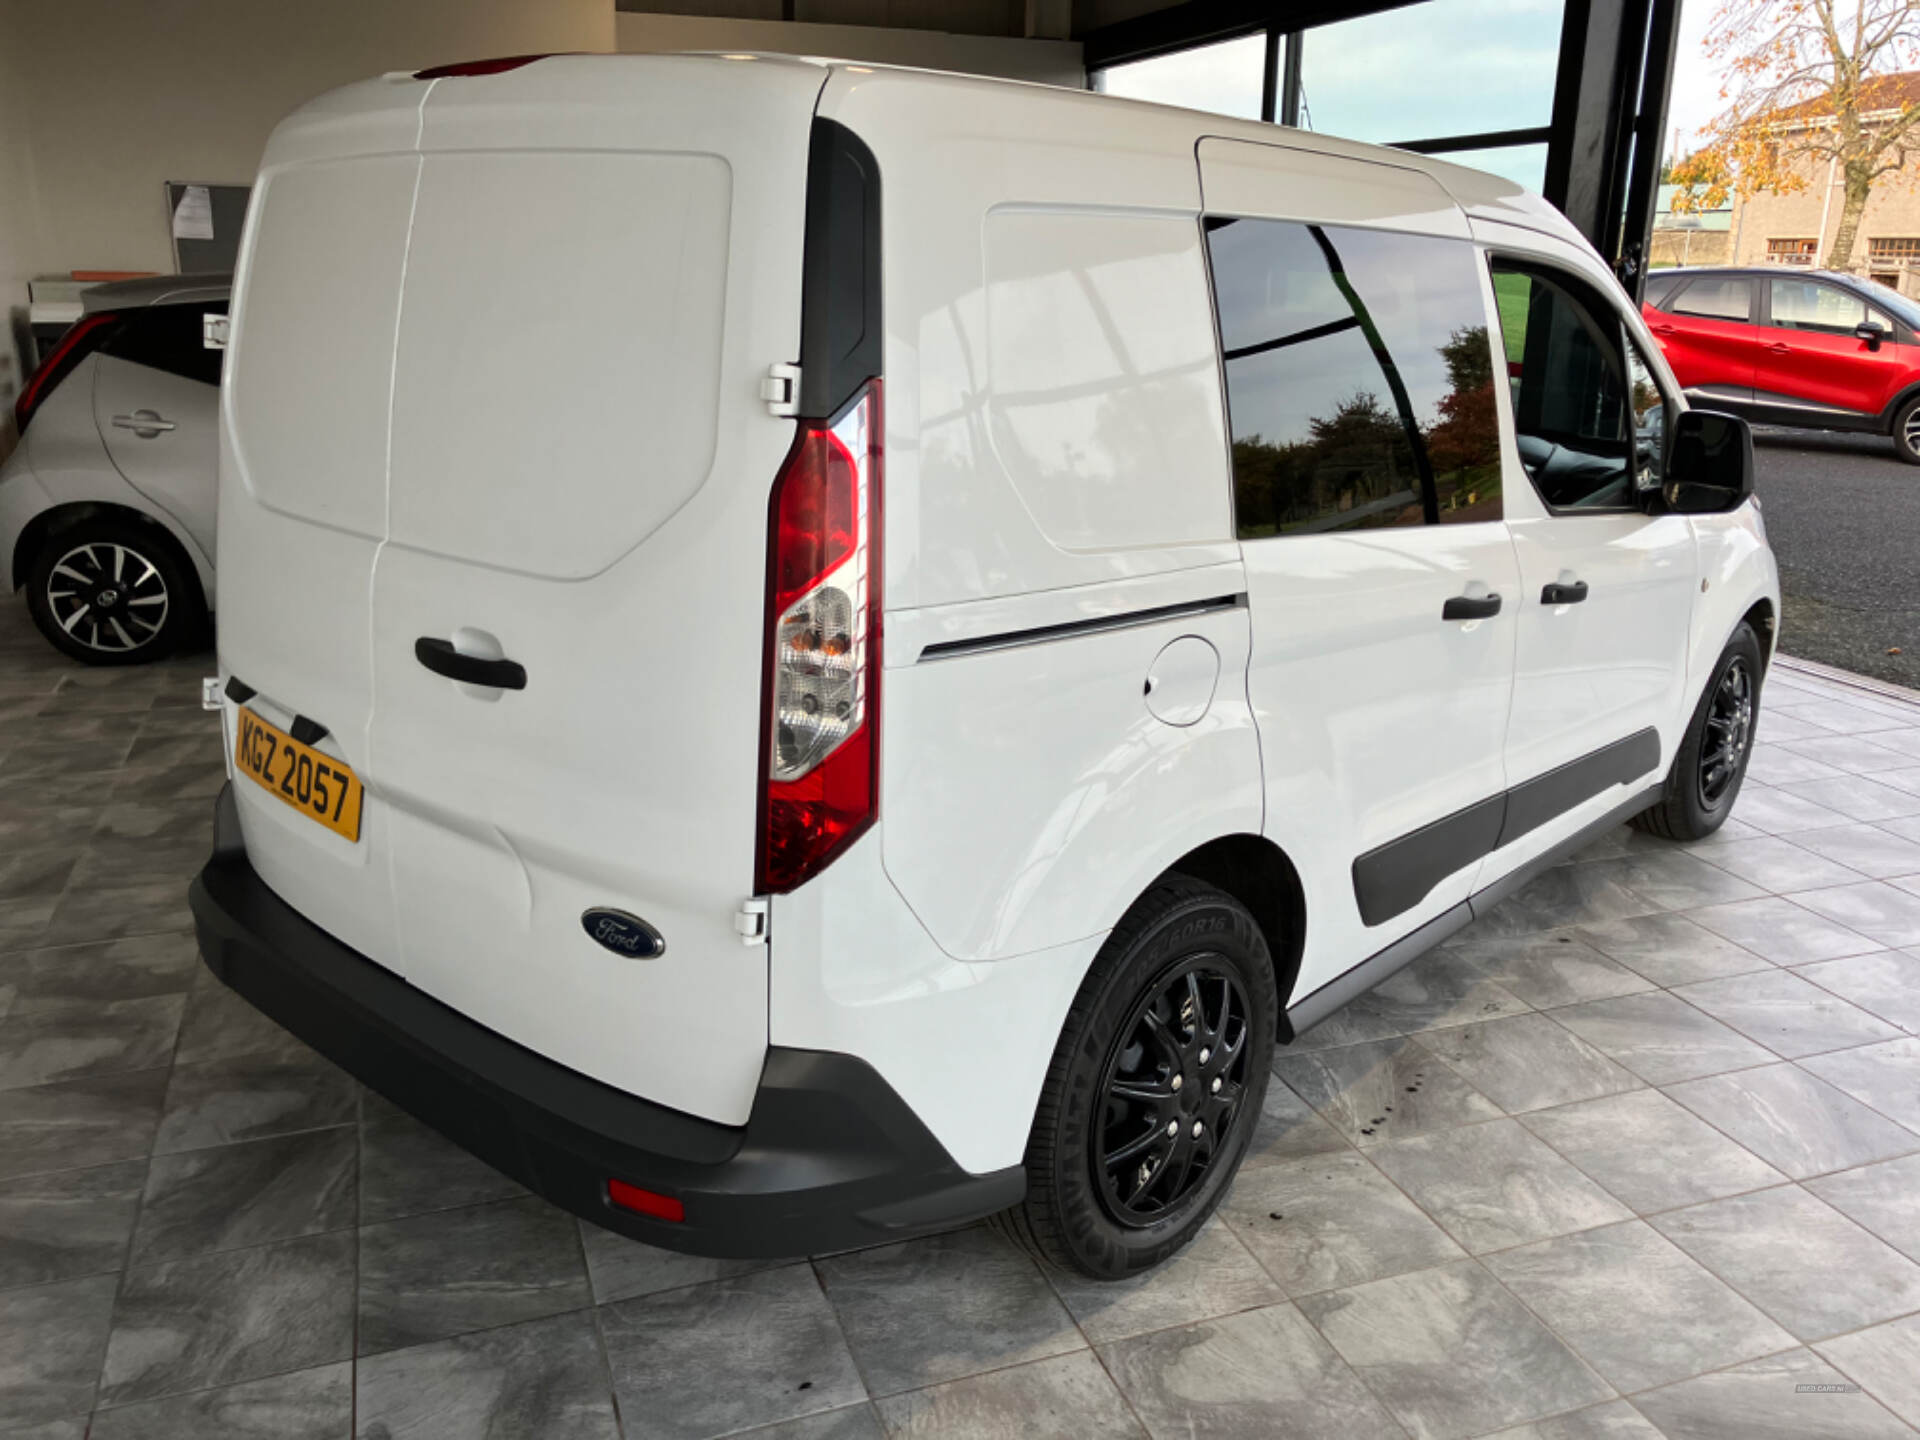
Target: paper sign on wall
193 216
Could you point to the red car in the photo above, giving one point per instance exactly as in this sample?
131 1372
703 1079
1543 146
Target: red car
1809 348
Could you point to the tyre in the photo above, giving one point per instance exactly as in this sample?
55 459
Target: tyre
1906 431
113 591
1712 762
1155 1086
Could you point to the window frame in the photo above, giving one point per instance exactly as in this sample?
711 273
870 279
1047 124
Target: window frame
1583 292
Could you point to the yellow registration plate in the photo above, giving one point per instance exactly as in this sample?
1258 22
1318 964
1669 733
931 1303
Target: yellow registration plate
318 786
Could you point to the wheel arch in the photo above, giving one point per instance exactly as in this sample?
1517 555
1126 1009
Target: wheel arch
56 518
1762 617
1259 874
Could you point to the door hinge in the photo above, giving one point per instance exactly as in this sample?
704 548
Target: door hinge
212 693
752 921
781 389
213 332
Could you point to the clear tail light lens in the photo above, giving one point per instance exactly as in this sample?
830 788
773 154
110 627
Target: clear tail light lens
820 750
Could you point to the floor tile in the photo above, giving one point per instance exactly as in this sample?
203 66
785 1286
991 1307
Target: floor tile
68 1224
1778 865
76 1123
1775 727
1775 812
1877 853
1886 1077
1795 1121
1548 969
1238 1376
51 1341
64 1044
1886 1360
1848 754
1906 740
1615 1420
312 1404
1058 1399
1790 1016
1907 779
1783 932
1288 1128
1528 1062
236 1195
1352 1023
1437 989
1331 1221
85 975
1589 893
434 1276
545 1379
1792 1396
1778 764
1670 949
219 1025
620 1269
925 1311
1451 1353
72 1428
1876 909
219 1319
1886 984
1884 1197
1495 1185
1798 1259
1847 717
109 912
1650 1152
1635 1306
852 1422
784 1354
1213 1276
251 1097
407 1168
1383 1089
1857 797
1675 880
1661 1038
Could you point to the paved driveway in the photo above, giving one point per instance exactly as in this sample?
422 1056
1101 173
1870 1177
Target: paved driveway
1844 518
1640 1151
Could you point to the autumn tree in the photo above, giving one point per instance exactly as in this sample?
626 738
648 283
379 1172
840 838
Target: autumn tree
1809 84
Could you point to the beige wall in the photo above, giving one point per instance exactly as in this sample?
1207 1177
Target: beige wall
1893 210
1052 62
1689 247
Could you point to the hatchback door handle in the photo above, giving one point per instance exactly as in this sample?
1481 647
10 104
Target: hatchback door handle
1778 347
1470 607
1557 594
144 423
440 657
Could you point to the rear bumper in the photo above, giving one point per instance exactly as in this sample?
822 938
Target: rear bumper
830 1157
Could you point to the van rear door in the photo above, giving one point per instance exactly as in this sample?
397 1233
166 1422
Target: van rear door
605 257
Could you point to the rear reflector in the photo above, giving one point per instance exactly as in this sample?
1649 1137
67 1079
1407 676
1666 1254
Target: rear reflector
645 1202
73 347
477 67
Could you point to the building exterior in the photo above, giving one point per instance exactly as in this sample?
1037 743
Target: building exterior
1769 228
1692 237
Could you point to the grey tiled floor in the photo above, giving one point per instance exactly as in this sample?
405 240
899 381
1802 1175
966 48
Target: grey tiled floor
1637 1155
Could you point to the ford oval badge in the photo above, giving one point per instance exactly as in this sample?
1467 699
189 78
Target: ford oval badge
624 934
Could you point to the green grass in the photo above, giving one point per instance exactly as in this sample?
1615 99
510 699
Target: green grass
1510 291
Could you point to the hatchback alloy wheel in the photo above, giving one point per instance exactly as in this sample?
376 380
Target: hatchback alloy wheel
108 597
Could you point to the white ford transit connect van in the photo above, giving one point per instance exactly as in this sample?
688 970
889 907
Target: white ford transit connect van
813 652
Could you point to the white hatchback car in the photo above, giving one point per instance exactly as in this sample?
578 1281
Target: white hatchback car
107 504
813 652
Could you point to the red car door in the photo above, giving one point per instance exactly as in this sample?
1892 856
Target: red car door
1708 332
1811 358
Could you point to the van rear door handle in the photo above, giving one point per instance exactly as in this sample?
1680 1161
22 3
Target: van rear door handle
1564 594
440 657
1470 607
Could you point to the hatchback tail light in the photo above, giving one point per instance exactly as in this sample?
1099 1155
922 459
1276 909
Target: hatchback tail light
498 65
81 339
820 749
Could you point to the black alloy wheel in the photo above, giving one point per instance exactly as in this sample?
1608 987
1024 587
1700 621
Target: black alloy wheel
1704 780
1729 730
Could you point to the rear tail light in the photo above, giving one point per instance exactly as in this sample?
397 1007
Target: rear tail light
82 337
498 65
820 746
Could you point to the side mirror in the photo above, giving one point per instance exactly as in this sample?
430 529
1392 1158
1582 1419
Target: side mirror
1709 463
1871 332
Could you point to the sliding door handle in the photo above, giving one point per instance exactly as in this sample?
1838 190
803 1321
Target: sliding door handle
1564 594
440 657
1470 607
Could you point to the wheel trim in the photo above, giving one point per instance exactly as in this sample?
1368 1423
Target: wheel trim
1163 1113
108 597
1912 429
1727 733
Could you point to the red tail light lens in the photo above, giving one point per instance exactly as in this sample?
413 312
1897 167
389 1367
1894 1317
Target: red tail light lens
72 347
477 67
820 749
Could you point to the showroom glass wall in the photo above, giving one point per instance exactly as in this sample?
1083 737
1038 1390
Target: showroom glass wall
1472 80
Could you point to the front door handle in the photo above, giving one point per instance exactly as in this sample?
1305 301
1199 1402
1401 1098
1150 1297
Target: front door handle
1779 348
1557 594
144 423
1470 607
440 657
1665 330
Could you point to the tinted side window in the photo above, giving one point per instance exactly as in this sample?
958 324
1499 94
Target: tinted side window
1359 378
170 338
1716 297
1589 420
1809 305
1660 290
